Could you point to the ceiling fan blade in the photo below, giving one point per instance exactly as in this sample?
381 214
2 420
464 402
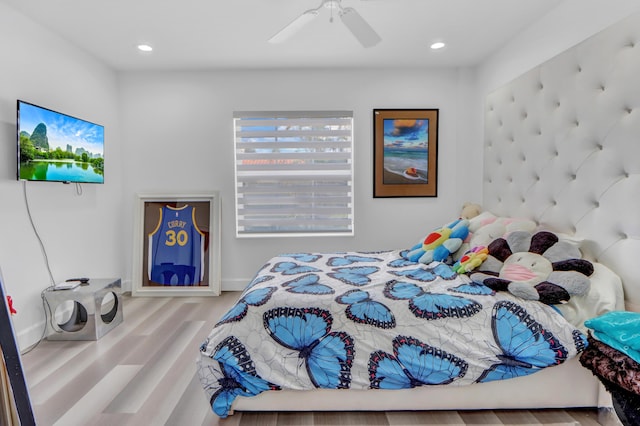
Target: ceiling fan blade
294 26
365 34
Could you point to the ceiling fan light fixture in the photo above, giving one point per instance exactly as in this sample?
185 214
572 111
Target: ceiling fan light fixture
331 4
294 26
361 30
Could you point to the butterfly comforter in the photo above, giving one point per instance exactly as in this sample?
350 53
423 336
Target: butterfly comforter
374 321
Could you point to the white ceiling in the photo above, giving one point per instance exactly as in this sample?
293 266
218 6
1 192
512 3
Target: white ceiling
198 34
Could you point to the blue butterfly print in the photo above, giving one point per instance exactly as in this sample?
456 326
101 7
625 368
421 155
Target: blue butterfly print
413 364
473 288
419 274
303 257
362 309
203 346
328 356
427 274
400 263
404 254
431 306
526 345
580 340
255 297
292 268
308 284
259 279
350 259
356 275
235 375
444 271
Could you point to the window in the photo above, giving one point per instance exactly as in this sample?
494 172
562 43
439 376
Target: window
294 173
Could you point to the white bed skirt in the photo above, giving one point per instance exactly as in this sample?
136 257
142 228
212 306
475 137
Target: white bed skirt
563 386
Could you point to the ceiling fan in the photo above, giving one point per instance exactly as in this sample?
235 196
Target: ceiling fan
361 30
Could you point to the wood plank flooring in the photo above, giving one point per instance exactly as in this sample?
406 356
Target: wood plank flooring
143 373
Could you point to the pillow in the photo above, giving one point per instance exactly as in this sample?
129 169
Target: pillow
605 295
620 330
482 219
572 239
487 227
535 267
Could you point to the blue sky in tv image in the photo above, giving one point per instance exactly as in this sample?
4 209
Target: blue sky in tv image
62 129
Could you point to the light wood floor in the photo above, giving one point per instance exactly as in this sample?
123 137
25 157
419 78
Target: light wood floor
143 373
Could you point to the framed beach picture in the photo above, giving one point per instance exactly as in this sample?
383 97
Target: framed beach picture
405 152
177 245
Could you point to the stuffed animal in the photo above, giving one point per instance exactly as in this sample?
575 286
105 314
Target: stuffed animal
535 267
471 260
439 244
487 227
470 210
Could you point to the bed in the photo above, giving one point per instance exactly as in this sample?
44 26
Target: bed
361 320
560 150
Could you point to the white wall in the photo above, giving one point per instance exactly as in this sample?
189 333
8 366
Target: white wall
171 132
563 27
181 122
82 234
179 138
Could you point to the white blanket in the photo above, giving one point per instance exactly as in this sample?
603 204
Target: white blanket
374 320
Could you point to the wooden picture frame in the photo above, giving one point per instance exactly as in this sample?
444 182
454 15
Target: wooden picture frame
405 152
177 245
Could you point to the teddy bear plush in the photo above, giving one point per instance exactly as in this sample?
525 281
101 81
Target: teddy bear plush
470 210
535 267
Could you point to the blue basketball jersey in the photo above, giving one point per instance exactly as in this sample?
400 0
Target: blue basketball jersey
176 248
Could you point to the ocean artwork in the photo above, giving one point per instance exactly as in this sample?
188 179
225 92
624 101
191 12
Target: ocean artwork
406 152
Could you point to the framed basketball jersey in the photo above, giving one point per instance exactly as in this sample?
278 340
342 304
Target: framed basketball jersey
177 245
176 248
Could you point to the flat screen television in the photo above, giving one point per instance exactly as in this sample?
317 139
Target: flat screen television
55 147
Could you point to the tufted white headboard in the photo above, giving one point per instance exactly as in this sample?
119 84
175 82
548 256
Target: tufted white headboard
562 147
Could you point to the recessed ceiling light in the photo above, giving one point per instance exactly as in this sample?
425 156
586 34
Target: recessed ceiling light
437 45
145 48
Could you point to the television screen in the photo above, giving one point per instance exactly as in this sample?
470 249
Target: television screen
55 147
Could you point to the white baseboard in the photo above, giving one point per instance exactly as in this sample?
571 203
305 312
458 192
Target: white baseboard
31 335
236 284
35 332
125 285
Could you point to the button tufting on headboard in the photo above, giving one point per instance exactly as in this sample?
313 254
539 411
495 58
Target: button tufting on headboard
563 148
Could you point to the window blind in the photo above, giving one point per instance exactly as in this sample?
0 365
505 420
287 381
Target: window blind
294 173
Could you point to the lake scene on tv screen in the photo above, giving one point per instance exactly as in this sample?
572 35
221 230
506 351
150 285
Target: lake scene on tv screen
58 147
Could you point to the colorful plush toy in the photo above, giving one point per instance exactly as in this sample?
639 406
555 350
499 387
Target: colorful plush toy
439 244
535 267
471 260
